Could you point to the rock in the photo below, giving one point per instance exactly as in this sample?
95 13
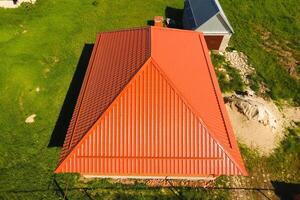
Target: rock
253 110
30 119
227 77
239 61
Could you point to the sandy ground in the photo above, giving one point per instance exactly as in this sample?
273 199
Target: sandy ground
258 135
291 113
253 133
257 122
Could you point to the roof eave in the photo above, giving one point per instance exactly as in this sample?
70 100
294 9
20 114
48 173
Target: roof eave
222 14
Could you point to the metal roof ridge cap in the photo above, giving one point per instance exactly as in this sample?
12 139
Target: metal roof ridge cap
99 119
226 151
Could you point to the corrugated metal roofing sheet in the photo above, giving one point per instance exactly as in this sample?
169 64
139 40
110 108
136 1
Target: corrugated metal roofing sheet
191 72
149 130
169 120
116 58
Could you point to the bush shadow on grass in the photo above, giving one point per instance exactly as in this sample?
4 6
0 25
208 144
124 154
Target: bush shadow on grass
286 191
62 123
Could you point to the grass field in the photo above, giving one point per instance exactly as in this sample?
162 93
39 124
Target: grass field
229 78
40 46
268 32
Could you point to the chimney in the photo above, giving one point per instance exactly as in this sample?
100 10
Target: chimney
159 21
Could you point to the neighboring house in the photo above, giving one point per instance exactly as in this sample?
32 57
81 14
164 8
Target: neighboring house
13 3
150 107
208 17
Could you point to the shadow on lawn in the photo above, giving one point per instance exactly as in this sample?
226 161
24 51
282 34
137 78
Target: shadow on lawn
150 22
62 123
175 15
287 191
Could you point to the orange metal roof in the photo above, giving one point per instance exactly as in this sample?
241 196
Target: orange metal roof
116 58
156 113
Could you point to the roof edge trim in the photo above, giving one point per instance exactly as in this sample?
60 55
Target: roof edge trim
222 13
89 69
226 22
84 89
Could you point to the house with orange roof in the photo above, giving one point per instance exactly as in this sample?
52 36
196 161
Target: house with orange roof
150 107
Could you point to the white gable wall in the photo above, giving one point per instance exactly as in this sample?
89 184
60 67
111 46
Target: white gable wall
218 27
215 25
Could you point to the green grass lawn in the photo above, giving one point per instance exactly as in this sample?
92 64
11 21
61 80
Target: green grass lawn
282 166
40 46
229 78
265 29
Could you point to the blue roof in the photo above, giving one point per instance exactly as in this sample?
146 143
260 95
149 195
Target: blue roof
203 10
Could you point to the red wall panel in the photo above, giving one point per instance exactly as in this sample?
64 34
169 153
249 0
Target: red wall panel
213 42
